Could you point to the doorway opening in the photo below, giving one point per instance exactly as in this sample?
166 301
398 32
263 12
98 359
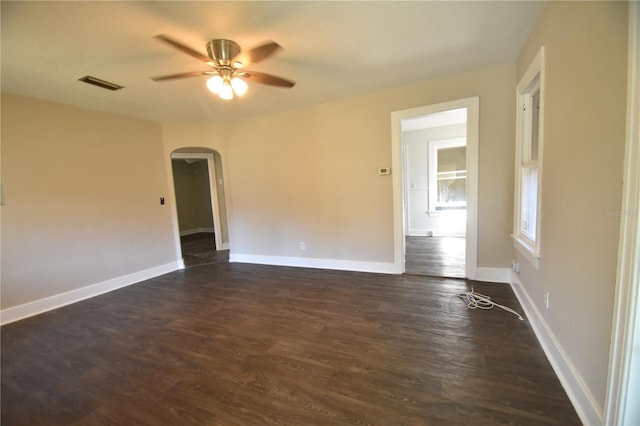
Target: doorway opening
199 204
434 192
435 152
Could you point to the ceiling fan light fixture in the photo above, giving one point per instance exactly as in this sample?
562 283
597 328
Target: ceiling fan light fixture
214 84
226 92
239 86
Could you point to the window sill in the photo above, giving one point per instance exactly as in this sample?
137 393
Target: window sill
526 250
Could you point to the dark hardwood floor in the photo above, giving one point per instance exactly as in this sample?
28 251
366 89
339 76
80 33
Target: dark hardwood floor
435 256
237 344
200 249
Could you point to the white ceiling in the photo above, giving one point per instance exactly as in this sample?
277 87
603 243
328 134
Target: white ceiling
331 49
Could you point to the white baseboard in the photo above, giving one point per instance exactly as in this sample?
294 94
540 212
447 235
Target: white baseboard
420 233
492 275
578 392
495 275
449 234
434 233
39 306
310 262
195 231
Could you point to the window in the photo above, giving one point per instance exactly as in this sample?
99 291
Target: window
447 174
528 174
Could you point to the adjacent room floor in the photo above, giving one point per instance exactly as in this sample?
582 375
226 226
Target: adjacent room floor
237 344
200 249
435 256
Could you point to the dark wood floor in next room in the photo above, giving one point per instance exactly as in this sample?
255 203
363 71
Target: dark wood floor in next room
200 249
435 256
236 344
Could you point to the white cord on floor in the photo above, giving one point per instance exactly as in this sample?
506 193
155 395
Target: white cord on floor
480 301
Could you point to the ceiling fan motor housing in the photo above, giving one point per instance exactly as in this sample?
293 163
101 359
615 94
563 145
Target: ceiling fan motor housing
222 51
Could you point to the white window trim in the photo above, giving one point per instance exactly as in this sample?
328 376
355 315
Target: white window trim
526 246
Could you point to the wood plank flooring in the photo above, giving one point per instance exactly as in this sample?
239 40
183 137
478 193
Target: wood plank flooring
435 256
200 249
237 344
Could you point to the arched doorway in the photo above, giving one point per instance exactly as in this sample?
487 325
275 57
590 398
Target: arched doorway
200 206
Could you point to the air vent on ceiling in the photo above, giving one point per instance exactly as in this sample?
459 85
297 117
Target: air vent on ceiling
100 83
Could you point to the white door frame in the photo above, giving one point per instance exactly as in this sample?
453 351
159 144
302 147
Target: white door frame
623 385
471 251
212 188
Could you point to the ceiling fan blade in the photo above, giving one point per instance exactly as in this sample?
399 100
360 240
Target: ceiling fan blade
257 54
181 47
271 80
181 75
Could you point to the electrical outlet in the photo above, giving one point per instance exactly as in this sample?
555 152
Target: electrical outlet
515 266
303 246
546 299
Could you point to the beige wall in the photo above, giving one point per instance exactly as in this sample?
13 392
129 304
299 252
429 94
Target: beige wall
311 174
584 131
82 198
193 195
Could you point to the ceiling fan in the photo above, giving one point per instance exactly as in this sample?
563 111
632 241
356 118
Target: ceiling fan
228 62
